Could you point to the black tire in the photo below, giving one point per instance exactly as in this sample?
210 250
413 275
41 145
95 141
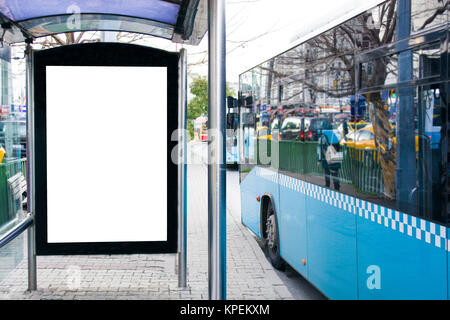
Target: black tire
272 241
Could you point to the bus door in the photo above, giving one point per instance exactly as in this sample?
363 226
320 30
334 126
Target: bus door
248 126
232 140
431 136
431 142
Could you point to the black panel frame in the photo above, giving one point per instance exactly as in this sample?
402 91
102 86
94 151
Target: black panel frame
103 54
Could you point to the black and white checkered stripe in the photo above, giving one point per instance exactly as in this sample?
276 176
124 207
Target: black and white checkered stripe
418 228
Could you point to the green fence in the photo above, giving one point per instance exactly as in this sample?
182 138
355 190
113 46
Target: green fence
8 208
299 157
359 168
293 156
367 175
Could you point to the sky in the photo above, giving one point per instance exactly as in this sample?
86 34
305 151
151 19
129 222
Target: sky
256 30
260 29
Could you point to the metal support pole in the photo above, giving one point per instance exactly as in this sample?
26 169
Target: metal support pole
32 278
216 151
406 150
182 160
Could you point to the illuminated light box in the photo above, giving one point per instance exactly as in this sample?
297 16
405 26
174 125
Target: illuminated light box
105 180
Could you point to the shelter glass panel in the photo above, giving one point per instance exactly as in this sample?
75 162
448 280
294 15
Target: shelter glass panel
157 10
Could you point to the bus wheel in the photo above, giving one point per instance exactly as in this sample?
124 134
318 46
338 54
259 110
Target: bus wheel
272 239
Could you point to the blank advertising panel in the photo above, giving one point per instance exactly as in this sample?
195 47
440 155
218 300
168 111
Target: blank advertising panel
105 156
105 182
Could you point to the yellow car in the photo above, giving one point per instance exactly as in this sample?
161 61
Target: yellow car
262 132
360 139
364 139
352 125
2 154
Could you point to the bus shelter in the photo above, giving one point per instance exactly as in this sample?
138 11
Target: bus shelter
179 21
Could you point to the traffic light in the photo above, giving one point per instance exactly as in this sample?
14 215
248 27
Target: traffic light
231 102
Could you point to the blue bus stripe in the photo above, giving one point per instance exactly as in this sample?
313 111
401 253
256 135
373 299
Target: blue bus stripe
420 229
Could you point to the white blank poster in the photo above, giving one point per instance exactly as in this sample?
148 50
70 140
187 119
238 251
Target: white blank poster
106 154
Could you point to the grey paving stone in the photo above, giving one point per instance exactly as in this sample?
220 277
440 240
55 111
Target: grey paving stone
249 275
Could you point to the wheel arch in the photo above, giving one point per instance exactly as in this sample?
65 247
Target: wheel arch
266 198
277 261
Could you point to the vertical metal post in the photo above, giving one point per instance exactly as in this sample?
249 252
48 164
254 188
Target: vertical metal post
216 151
32 278
182 160
406 152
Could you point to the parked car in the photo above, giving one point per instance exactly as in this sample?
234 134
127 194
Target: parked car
364 139
315 127
352 125
291 128
305 134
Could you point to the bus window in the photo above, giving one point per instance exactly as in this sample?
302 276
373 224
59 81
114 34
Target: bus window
232 121
430 193
350 140
247 142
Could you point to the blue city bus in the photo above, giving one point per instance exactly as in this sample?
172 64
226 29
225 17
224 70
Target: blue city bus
232 127
232 138
365 214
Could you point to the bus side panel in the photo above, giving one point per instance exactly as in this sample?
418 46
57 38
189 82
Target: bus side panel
332 265
399 256
250 208
292 223
257 183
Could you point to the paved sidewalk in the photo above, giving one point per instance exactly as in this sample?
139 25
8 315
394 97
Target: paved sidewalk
250 276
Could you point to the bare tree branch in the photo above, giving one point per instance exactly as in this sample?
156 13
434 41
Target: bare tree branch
438 11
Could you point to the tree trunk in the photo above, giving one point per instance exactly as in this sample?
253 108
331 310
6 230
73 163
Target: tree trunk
383 139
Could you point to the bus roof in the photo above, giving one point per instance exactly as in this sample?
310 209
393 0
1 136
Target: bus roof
359 7
182 21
